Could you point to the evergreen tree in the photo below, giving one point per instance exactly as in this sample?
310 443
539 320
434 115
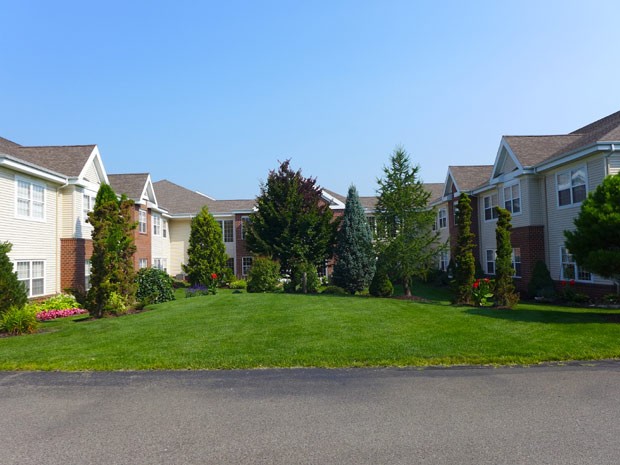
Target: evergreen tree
404 221
112 274
505 295
292 223
595 243
206 252
464 262
355 257
12 291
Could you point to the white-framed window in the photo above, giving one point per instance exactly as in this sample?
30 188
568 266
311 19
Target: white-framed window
490 261
570 269
246 264
227 229
490 210
88 204
516 262
160 264
87 269
230 263
32 274
372 224
156 225
442 218
30 200
512 198
165 228
142 221
571 186
321 270
444 260
245 222
143 263
455 210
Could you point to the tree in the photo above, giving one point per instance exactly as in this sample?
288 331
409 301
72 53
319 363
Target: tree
595 243
505 295
405 222
355 257
465 264
206 252
292 223
112 274
12 291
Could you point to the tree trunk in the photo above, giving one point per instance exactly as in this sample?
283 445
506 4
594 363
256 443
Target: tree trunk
406 288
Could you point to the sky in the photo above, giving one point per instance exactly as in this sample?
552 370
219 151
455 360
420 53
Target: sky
213 95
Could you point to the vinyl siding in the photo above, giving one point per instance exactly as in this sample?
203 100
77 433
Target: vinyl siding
32 240
161 247
614 164
90 174
179 230
486 228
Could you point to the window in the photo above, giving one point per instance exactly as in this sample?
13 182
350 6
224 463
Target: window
512 198
230 263
160 264
227 230
87 268
246 264
570 269
156 225
455 209
516 262
143 263
32 274
142 221
490 255
443 260
442 218
165 229
321 270
571 186
245 223
490 212
372 224
30 200
88 204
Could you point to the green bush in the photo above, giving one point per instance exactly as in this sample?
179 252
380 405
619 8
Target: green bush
334 290
19 320
12 291
264 276
312 279
179 284
154 286
381 286
59 302
541 284
116 305
238 284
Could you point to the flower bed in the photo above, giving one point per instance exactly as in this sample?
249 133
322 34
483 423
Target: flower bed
47 315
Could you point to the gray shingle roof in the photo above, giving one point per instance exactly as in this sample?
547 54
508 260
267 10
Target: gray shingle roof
131 184
468 178
68 160
180 201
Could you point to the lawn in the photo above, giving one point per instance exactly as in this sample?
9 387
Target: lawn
231 330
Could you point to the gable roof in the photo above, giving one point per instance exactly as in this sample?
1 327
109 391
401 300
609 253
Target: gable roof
131 184
467 178
436 190
181 201
68 160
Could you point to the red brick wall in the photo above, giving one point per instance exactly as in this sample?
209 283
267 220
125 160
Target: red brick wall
531 241
241 248
73 256
142 240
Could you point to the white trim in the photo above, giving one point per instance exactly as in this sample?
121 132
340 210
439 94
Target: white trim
28 169
576 268
503 151
577 154
493 211
95 159
510 185
30 277
31 183
569 171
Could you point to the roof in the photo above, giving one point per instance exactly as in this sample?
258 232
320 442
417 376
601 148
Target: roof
132 185
180 201
224 206
467 178
436 190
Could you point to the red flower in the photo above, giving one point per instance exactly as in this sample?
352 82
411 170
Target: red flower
213 276
476 284
563 283
572 282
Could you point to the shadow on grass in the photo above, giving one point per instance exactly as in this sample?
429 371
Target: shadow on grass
547 316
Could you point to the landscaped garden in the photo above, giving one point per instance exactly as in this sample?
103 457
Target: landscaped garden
244 330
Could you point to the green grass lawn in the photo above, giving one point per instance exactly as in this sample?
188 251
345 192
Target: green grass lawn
283 330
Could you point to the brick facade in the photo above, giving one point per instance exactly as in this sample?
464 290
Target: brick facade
241 248
73 256
531 241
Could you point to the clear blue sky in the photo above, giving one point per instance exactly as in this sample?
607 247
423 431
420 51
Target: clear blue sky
211 95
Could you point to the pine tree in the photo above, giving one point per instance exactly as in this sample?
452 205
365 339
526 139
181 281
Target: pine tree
12 291
206 252
404 221
505 295
112 275
355 257
464 262
292 224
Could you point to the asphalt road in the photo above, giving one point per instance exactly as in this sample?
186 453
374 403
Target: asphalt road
540 415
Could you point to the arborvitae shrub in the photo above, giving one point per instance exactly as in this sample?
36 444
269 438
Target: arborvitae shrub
154 286
264 276
12 291
541 284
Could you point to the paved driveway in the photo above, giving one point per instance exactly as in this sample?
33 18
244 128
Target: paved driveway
539 415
